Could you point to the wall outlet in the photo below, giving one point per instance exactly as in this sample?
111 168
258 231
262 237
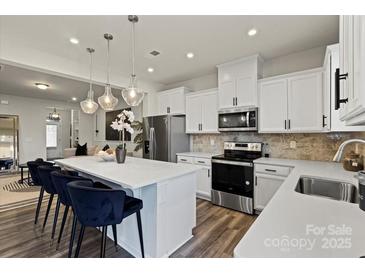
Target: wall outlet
212 142
293 144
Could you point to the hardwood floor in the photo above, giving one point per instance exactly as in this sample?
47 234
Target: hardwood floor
217 232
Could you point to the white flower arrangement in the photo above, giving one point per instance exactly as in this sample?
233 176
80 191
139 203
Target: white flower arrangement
120 124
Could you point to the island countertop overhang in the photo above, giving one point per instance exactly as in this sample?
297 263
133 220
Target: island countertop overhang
133 174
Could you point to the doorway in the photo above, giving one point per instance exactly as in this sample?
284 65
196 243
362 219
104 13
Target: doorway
9 139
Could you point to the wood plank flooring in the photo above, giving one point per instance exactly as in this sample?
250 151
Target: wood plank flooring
217 232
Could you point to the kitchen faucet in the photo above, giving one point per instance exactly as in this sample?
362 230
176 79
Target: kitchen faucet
338 155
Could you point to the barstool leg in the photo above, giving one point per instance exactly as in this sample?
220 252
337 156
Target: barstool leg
115 237
64 219
103 241
79 242
139 222
39 204
72 239
56 216
48 208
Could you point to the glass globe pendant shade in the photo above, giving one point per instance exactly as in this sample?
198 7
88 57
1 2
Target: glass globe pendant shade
132 95
89 106
107 101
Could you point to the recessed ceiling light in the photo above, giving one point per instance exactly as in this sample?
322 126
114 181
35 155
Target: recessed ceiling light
42 86
74 99
190 55
74 41
252 32
150 70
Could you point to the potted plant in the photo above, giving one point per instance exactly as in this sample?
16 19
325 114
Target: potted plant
121 123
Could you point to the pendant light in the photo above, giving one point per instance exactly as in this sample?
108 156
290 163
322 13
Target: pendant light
54 116
107 101
89 106
132 95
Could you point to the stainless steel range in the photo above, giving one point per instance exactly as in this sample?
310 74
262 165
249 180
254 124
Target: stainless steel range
233 176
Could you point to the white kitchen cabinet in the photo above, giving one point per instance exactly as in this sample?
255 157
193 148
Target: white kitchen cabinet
171 101
202 112
237 82
331 119
273 108
352 69
204 178
291 102
268 179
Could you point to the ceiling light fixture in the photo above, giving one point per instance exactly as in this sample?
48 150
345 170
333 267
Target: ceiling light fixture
252 32
54 116
74 99
88 105
190 55
150 70
74 41
132 95
107 101
42 86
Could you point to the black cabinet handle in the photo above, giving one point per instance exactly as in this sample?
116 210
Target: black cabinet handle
324 117
208 173
288 123
233 101
201 162
284 124
183 160
270 170
338 78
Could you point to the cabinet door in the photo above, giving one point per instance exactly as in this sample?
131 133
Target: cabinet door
265 188
210 113
226 94
305 102
193 114
204 183
273 106
246 91
327 79
177 102
162 103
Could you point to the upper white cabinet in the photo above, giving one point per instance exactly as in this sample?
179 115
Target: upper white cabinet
237 82
202 112
331 116
171 101
351 79
291 102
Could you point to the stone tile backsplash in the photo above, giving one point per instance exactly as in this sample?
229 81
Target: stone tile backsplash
309 146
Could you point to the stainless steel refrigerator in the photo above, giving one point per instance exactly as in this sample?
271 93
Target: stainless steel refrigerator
163 137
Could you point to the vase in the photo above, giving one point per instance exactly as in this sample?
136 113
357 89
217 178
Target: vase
120 154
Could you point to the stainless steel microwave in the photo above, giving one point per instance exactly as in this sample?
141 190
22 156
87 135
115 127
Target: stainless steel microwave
243 119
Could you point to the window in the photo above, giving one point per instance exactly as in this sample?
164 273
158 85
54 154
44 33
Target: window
51 136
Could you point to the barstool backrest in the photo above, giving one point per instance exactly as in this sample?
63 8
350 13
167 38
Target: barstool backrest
60 180
44 173
33 170
95 204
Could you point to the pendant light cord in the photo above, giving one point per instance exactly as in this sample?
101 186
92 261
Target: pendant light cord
108 64
133 50
91 67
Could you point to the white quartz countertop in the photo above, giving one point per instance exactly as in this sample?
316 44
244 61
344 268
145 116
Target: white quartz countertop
197 154
299 225
134 173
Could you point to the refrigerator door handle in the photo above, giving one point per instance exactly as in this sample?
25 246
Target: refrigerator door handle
152 143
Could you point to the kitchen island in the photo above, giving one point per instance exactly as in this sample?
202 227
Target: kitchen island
299 225
168 194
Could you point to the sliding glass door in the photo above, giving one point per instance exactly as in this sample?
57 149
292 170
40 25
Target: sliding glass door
8 143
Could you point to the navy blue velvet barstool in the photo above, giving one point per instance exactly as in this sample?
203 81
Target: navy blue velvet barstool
44 173
33 170
97 205
60 180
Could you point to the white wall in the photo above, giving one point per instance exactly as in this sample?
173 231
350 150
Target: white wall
303 60
32 123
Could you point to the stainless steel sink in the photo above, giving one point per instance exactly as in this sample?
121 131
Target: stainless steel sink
330 189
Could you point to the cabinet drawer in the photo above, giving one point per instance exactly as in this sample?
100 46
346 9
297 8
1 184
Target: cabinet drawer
185 159
202 161
274 170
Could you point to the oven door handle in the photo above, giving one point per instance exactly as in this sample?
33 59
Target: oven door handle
232 163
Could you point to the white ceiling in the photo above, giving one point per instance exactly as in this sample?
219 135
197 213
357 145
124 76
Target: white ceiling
213 39
21 82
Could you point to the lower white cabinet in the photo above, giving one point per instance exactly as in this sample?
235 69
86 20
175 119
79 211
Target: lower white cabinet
268 179
204 180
